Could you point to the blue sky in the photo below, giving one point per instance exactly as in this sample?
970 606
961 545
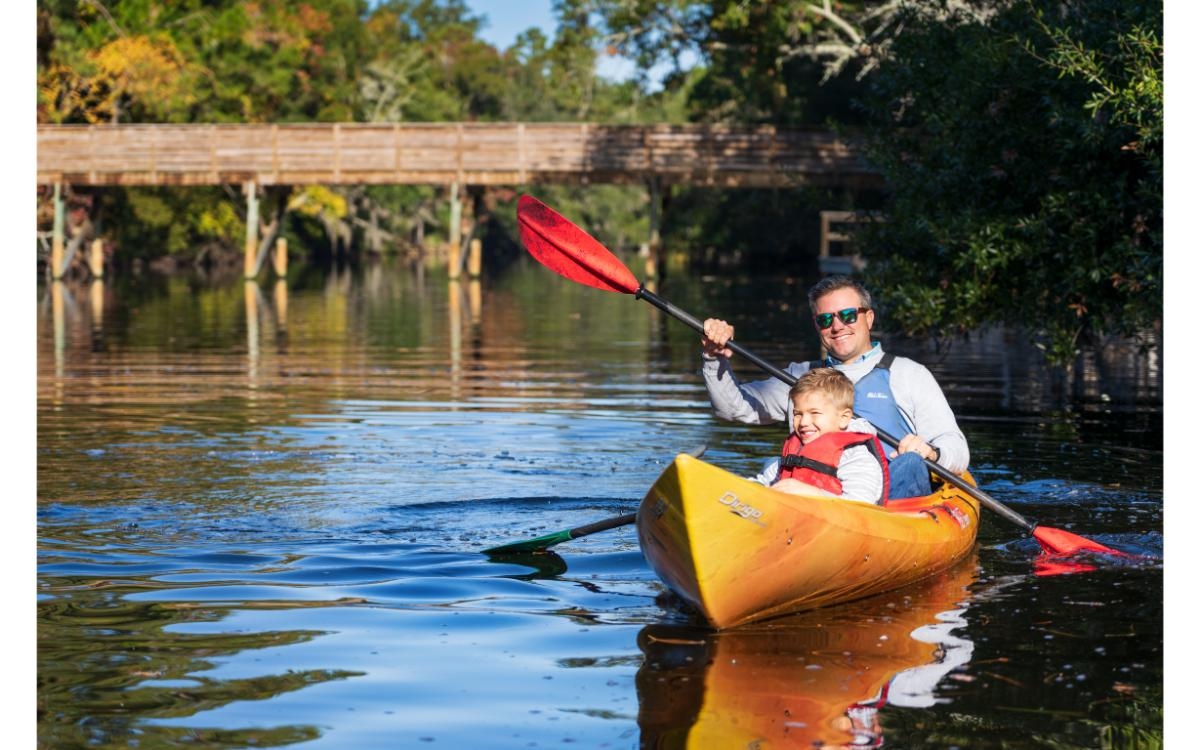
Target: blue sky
508 18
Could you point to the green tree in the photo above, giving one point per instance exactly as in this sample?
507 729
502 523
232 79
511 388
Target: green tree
195 61
427 60
1024 160
762 61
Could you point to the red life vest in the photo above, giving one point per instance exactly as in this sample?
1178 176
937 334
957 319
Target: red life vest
817 462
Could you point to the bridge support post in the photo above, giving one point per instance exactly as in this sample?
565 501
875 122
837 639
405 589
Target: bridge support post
475 259
251 260
653 246
280 259
96 259
454 253
58 236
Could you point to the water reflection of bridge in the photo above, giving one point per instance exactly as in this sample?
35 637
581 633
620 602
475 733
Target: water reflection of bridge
453 154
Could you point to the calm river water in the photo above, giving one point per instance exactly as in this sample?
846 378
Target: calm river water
260 515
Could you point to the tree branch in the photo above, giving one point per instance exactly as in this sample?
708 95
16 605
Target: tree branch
107 16
827 13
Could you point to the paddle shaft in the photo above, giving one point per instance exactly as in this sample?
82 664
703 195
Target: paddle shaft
605 525
787 377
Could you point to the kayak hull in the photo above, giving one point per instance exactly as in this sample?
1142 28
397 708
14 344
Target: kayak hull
739 552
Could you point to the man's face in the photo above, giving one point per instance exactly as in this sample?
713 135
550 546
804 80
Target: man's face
845 341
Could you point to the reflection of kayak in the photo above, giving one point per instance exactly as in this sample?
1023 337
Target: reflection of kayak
738 551
807 680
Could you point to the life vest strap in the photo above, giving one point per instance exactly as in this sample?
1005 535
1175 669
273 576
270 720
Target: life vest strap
793 461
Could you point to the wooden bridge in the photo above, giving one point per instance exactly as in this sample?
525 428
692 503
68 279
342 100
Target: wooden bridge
446 153
452 154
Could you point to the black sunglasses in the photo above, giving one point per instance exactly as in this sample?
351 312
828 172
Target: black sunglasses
849 316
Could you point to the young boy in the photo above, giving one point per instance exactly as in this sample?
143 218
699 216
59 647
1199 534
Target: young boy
829 452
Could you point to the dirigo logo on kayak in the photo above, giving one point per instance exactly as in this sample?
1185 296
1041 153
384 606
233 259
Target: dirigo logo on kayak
745 510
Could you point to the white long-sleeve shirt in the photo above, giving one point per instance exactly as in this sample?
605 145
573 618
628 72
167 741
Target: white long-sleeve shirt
922 404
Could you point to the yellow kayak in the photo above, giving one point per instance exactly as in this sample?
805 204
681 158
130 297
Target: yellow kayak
738 551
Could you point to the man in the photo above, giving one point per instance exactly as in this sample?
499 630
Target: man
896 394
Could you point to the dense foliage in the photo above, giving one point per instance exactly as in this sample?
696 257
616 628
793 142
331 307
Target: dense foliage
1021 139
1024 158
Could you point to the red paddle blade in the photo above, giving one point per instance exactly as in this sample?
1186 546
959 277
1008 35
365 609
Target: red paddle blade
1059 542
568 250
1049 565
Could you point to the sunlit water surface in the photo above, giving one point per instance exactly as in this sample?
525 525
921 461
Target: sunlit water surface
261 512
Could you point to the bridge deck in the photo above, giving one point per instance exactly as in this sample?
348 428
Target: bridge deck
440 153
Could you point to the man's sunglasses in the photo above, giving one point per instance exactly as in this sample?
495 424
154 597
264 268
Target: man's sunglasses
849 316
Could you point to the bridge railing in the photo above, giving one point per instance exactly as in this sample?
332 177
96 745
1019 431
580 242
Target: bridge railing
441 153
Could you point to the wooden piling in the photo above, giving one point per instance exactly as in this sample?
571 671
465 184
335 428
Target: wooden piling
281 258
652 247
475 259
96 259
454 252
57 242
251 260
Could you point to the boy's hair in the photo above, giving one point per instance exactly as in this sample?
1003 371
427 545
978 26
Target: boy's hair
828 381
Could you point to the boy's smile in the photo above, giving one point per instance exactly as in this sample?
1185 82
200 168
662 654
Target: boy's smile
815 415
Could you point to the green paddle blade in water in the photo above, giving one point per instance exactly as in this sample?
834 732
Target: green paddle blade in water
539 544
543 543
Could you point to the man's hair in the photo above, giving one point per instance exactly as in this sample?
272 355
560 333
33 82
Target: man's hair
829 382
834 283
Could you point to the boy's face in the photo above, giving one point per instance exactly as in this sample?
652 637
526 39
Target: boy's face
815 414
